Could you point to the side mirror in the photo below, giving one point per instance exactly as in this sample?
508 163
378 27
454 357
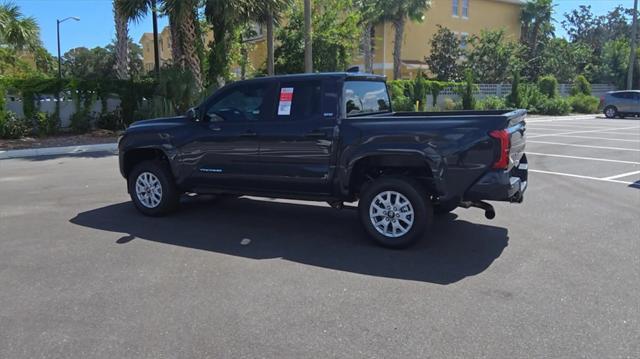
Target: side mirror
192 114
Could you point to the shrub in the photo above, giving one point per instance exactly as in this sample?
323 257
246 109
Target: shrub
491 103
80 122
581 86
515 97
46 124
582 103
12 127
531 97
420 88
548 85
554 106
111 121
449 104
401 92
468 102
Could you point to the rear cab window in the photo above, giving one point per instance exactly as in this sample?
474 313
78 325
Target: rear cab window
365 97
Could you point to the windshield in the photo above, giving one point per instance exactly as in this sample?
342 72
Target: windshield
363 97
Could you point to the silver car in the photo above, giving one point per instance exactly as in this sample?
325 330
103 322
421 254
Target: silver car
621 103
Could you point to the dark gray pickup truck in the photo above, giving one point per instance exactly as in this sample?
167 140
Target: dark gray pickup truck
329 137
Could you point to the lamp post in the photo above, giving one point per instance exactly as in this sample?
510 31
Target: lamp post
58 29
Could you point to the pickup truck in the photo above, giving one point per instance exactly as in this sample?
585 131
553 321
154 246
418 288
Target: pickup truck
330 137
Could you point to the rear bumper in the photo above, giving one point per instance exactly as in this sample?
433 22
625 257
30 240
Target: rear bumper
501 185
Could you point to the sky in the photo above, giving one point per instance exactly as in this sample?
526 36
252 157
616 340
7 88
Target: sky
96 27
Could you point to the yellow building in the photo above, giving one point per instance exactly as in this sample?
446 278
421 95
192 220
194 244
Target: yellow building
463 17
257 56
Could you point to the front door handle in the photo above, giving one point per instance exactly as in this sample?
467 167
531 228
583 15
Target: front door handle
215 128
248 133
316 134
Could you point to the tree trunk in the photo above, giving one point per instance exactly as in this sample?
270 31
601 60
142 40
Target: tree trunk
176 50
270 54
122 45
308 48
188 43
398 25
367 48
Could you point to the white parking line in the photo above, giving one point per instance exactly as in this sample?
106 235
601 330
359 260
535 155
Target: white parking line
560 127
596 138
588 131
622 175
586 146
582 158
580 176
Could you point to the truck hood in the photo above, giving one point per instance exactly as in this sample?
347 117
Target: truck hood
159 123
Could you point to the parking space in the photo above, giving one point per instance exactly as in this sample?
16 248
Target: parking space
83 274
594 148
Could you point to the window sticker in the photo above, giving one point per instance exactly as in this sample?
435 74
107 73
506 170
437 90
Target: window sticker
286 97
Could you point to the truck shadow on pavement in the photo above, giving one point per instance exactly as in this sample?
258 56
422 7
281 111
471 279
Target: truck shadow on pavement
307 234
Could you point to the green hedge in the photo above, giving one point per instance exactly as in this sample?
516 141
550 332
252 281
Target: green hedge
582 103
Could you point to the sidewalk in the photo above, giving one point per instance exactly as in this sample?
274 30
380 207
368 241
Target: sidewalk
57 151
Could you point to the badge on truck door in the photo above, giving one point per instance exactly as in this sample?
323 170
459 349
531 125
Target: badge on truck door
286 97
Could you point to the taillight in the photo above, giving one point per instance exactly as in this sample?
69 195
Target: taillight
502 163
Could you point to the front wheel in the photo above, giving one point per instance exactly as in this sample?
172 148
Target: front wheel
395 211
610 112
152 189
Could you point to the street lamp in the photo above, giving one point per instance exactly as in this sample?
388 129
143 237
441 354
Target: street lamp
58 24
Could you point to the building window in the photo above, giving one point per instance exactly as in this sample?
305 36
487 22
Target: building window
465 8
454 7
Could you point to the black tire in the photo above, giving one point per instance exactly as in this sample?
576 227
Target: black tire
170 196
416 196
444 208
610 112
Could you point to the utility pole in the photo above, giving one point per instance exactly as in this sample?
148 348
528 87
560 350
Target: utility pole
156 51
58 22
634 40
270 55
308 48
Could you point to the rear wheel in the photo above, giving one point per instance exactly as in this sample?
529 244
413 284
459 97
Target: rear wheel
152 188
610 111
395 211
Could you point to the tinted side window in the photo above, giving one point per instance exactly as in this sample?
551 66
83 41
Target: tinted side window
242 103
299 100
636 95
617 95
365 97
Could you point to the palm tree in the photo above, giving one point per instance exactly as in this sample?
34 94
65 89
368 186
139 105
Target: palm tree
398 11
183 19
17 31
268 12
371 11
122 43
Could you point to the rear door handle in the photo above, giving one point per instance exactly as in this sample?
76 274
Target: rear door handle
249 133
316 134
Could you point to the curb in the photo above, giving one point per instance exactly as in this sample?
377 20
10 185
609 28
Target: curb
56 151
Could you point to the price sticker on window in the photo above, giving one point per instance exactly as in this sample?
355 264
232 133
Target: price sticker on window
286 97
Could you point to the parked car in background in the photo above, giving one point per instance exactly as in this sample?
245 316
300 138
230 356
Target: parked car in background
621 103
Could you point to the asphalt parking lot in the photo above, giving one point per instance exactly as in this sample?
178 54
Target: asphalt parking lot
83 275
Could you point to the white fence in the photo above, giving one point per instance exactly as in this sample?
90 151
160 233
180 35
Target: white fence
502 90
68 107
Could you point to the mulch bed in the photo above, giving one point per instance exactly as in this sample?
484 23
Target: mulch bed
60 140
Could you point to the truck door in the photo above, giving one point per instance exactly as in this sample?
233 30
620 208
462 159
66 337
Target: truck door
296 145
224 151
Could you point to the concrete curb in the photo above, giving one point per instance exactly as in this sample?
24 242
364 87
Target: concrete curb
56 151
